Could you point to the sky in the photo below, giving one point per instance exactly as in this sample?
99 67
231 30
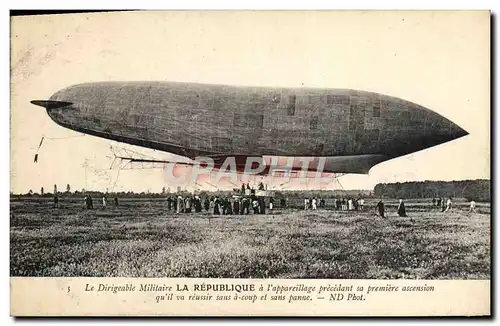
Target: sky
440 60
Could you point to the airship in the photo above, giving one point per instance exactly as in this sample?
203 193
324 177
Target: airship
335 130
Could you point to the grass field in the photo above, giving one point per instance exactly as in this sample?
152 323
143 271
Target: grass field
140 238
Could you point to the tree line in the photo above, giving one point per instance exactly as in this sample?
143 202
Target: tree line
478 190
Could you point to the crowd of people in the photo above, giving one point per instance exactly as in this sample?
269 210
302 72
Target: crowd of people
242 204
341 204
444 204
89 202
441 203
219 205
351 204
246 202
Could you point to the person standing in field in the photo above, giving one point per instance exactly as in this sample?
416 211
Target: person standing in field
402 209
243 205
223 205
90 204
314 203
169 203
381 208
174 204
350 204
217 208
179 204
187 203
104 201
211 205
262 205
472 207
229 205
271 202
448 205
246 206
283 202
206 204
362 203
236 206
306 203
197 204
255 205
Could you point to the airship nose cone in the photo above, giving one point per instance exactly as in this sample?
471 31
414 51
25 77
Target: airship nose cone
450 130
413 128
444 132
